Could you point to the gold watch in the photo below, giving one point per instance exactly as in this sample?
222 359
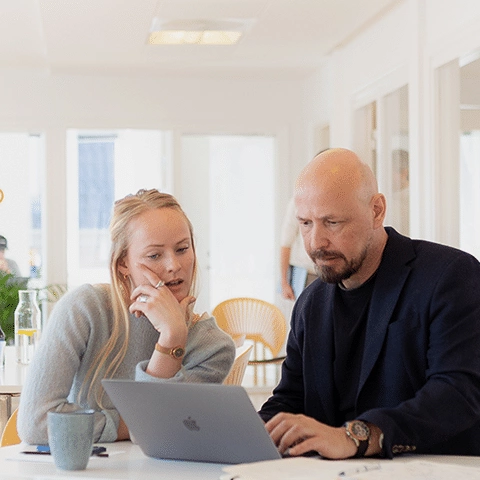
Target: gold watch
175 352
359 432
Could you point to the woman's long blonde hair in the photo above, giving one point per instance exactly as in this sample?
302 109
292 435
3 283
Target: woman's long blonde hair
125 210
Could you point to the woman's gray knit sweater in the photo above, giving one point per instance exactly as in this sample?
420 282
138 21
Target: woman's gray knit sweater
77 329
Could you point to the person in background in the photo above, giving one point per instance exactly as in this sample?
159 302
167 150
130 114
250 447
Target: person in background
383 352
296 268
141 325
7 265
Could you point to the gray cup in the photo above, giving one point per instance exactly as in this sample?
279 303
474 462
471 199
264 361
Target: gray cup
70 436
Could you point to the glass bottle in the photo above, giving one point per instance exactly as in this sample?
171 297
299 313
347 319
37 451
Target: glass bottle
27 323
2 348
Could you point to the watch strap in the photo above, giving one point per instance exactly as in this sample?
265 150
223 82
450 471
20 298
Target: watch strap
362 448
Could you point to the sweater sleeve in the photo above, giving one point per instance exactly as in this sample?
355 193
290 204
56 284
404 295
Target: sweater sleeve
77 325
209 356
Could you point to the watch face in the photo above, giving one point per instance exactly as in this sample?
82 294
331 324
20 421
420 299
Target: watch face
178 352
360 430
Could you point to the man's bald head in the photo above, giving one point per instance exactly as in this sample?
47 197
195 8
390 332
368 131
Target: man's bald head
341 216
341 170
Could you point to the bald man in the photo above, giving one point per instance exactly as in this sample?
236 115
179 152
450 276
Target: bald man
383 354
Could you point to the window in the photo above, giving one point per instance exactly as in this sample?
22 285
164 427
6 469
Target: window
22 166
104 166
95 197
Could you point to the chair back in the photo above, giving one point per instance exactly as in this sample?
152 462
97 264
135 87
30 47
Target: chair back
242 355
10 435
258 320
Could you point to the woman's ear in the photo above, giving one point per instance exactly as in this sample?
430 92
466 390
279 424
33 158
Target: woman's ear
122 268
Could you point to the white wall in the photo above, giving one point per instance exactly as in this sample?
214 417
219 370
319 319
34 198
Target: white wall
51 104
452 29
318 108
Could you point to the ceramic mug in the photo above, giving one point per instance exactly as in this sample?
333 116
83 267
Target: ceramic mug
70 436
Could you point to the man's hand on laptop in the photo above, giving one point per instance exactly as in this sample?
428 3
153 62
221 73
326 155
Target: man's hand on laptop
296 434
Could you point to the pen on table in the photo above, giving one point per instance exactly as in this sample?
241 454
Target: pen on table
362 469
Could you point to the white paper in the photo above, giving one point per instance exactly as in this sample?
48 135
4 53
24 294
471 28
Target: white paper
298 468
307 468
422 470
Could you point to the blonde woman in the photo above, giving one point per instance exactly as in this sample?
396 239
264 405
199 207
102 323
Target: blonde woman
140 326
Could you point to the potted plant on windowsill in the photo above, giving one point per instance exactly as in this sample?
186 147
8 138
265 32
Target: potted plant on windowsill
9 287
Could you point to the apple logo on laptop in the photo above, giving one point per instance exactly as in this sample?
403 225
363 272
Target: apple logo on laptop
191 424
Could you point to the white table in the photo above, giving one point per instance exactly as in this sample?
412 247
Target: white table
125 461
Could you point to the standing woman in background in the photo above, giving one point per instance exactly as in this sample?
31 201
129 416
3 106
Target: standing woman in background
141 326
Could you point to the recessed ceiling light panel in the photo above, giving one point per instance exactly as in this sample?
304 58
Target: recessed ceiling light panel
197 32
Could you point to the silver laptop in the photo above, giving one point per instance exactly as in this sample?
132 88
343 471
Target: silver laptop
192 421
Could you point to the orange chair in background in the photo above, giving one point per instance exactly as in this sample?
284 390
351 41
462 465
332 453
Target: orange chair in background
10 435
259 321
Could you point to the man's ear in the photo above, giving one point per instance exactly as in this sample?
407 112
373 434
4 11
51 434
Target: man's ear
379 204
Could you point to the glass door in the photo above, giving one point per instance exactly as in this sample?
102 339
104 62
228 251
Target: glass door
228 192
470 157
394 169
381 140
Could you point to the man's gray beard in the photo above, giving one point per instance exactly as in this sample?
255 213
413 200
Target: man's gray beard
329 275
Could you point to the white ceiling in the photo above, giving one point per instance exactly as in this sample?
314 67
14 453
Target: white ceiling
288 37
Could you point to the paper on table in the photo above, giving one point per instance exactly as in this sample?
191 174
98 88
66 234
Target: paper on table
307 468
421 470
298 468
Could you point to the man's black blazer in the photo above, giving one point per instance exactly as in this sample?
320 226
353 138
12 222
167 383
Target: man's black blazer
420 374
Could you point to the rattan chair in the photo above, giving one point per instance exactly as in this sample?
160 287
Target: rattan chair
237 372
261 322
10 435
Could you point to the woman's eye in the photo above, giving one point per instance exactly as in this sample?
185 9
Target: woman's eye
182 249
154 256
